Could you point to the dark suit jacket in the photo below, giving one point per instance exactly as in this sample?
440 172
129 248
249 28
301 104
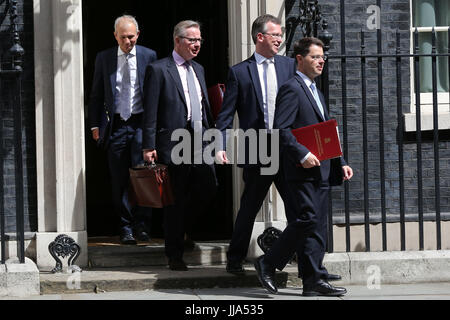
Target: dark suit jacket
165 108
244 94
101 105
296 108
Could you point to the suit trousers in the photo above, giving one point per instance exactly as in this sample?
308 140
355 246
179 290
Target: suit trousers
194 187
304 233
124 152
255 191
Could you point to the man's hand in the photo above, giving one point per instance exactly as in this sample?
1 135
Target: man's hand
311 162
96 134
348 173
221 157
150 156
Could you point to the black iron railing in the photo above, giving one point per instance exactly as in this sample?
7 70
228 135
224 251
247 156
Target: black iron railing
401 60
11 82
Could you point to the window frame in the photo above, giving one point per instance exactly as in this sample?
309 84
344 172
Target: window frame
426 99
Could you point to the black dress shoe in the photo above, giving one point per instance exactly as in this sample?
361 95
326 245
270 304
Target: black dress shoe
235 268
127 239
333 277
265 275
177 265
142 235
323 288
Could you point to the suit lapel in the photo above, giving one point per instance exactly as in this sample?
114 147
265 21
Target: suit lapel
279 68
310 97
254 75
322 99
173 71
112 71
201 79
140 71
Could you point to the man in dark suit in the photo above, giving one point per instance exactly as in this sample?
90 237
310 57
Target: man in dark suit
116 115
177 112
300 104
251 90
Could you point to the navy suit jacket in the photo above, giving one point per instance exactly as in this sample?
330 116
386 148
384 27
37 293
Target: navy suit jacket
244 94
165 107
102 100
296 108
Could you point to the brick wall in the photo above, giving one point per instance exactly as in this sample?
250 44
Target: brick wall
25 22
395 15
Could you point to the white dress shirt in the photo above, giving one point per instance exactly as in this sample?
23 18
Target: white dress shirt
182 71
307 80
308 83
260 64
135 96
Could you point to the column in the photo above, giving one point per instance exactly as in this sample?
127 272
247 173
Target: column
59 126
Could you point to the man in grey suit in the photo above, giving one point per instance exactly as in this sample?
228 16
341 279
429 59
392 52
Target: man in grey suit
115 116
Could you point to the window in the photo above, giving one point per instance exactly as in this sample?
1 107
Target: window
426 14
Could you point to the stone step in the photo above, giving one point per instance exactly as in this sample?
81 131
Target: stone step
110 254
115 267
101 280
356 268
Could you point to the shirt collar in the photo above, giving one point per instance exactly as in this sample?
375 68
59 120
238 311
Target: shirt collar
260 59
179 60
306 79
121 53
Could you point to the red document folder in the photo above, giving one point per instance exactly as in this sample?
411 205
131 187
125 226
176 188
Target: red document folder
321 139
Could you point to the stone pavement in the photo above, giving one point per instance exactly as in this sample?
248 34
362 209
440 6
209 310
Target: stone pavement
418 291
355 268
424 275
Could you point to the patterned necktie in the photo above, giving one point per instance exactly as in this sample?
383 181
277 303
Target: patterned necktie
316 97
196 118
271 91
125 111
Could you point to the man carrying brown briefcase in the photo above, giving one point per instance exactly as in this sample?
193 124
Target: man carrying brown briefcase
175 97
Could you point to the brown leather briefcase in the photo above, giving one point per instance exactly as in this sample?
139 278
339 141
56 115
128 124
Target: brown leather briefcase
150 186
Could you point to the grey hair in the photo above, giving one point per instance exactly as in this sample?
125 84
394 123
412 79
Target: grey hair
181 27
128 18
260 25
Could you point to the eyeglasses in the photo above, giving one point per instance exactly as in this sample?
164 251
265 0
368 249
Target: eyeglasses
274 35
194 40
324 58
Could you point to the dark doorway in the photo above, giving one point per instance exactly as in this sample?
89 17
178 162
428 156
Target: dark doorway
156 21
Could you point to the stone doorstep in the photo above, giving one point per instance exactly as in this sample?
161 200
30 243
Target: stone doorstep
204 253
149 278
355 269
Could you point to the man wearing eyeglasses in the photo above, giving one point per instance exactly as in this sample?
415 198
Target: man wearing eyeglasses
300 104
175 97
251 90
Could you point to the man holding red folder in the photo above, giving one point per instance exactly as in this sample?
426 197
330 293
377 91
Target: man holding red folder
299 104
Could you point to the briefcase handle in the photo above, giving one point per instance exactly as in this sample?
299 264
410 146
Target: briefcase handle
160 174
149 164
